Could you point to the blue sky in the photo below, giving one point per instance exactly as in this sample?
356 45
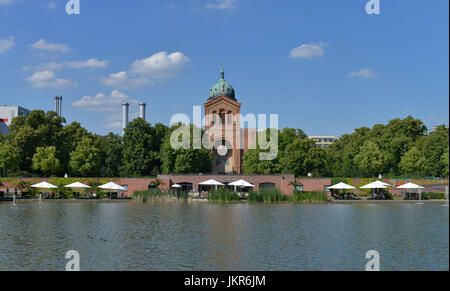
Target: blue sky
324 66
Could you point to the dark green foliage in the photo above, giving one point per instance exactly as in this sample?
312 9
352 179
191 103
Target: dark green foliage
308 197
111 148
185 161
223 195
157 195
399 148
433 196
270 195
141 149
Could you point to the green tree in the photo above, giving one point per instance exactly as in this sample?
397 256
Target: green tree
315 161
296 156
184 161
445 162
111 147
341 154
68 139
435 146
413 163
142 148
45 160
85 160
39 129
370 159
253 164
9 158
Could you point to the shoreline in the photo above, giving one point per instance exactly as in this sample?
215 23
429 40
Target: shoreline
19 201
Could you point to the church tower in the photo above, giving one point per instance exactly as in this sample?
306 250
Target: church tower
222 123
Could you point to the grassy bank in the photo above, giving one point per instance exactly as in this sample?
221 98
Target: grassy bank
158 196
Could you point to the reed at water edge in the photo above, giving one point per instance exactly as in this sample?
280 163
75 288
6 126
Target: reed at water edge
157 195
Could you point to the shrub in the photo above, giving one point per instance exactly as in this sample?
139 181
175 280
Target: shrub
157 195
270 195
223 195
433 196
309 197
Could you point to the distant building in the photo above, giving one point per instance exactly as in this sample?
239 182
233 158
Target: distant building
434 129
7 114
324 140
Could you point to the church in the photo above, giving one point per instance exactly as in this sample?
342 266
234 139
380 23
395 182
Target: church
223 124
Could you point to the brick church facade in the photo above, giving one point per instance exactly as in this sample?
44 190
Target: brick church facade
223 125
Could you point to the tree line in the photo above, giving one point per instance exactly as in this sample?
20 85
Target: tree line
401 148
40 145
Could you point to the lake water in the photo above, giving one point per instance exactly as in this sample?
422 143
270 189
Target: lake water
207 236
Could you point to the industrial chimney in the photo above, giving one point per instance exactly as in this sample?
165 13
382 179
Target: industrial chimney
142 110
125 110
60 106
57 105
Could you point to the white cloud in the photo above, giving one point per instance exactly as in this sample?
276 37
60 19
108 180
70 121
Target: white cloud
122 80
110 104
6 2
306 51
159 66
89 64
363 73
223 5
47 79
51 5
104 103
43 45
6 44
45 67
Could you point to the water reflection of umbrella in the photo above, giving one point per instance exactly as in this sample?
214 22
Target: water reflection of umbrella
413 186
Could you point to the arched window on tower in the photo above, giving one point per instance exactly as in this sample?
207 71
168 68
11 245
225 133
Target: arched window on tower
222 116
214 118
230 117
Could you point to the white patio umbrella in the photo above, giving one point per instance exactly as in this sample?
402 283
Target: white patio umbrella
111 186
241 183
376 185
211 182
413 186
342 186
44 185
177 186
77 185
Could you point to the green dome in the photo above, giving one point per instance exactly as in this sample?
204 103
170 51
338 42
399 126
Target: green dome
222 88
